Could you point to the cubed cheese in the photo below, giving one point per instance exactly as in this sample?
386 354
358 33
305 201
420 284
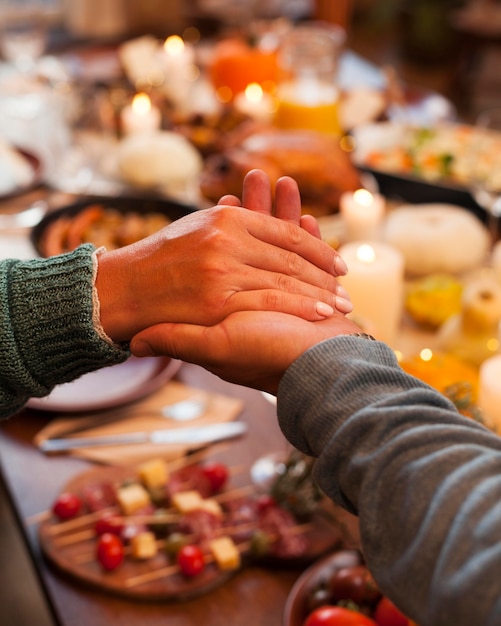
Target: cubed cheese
153 473
187 501
143 545
132 498
212 506
225 553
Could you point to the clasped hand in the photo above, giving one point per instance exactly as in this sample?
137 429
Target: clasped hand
257 326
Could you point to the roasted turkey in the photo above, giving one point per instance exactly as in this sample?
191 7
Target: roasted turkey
321 168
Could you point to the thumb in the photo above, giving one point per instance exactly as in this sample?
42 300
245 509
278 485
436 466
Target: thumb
179 341
153 341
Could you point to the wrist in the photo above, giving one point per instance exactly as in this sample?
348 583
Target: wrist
110 317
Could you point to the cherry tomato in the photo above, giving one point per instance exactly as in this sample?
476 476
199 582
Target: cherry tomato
67 505
109 523
337 616
354 583
110 551
216 474
320 594
191 560
387 614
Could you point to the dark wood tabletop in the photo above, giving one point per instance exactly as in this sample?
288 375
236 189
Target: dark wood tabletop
255 596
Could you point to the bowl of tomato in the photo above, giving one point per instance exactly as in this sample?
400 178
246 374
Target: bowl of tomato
339 590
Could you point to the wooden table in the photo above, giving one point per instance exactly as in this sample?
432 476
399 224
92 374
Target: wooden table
254 597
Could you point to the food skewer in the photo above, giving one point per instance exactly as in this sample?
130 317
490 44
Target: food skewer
169 516
162 572
173 465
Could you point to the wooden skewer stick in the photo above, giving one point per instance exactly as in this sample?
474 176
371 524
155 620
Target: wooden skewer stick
68 540
224 496
153 575
163 572
83 535
76 522
37 518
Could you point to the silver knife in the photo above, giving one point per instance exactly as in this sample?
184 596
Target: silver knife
194 435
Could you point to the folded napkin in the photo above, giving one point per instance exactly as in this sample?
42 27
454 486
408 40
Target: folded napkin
144 415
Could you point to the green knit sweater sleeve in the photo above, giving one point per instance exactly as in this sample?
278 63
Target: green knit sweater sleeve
47 334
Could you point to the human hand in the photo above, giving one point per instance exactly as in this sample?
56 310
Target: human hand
257 196
248 348
214 262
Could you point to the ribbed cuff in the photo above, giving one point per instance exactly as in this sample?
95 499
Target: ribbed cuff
51 311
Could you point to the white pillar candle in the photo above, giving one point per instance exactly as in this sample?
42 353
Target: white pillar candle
255 103
375 282
180 71
362 213
140 116
489 393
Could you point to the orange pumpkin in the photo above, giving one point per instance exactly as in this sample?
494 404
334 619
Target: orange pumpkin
442 371
235 64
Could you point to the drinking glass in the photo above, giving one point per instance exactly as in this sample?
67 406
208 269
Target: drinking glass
23 42
486 167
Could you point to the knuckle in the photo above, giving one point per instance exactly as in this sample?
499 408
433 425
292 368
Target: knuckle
293 264
293 233
286 284
272 300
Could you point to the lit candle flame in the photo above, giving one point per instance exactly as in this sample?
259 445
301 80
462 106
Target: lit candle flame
426 354
363 197
174 46
141 104
365 253
254 92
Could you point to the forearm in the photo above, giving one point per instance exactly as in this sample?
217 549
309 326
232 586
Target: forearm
424 481
47 335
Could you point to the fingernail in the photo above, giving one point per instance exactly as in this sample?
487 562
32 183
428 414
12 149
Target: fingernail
343 305
324 310
340 266
141 348
342 293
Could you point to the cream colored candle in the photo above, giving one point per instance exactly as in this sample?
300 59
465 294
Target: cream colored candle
362 213
489 394
375 282
255 103
180 71
140 116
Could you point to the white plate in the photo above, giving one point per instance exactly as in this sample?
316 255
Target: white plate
109 387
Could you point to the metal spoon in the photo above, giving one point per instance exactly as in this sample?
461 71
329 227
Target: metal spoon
185 410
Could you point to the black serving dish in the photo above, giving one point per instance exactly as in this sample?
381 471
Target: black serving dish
172 209
416 191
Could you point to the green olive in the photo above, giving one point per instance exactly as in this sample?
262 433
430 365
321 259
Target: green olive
174 542
260 543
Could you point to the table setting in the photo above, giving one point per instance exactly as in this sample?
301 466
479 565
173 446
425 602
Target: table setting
109 143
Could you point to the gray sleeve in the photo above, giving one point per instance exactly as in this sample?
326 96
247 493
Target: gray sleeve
424 481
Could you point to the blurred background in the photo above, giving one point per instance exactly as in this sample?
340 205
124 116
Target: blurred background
452 46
